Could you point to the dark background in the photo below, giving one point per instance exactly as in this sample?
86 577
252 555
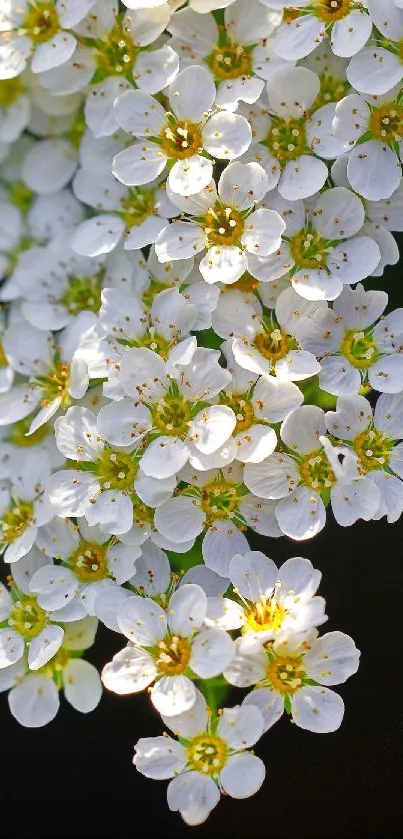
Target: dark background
74 778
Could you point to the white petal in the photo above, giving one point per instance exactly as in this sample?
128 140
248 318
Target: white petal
301 430
189 176
82 685
35 701
302 178
241 727
223 264
374 170
139 114
98 235
332 659
221 542
187 610
292 90
184 510
181 240
212 427
192 722
226 135
130 671
164 457
53 52
194 795
299 38
142 621
11 647
139 164
173 695
54 586
242 775
192 93
76 435
270 704
374 70
159 757
113 510
253 574
274 478
44 646
355 500
241 185
156 69
212 652
317 709
302 515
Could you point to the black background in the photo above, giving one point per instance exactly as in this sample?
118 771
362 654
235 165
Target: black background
75 778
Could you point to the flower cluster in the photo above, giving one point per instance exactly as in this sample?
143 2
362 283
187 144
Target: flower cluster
192 196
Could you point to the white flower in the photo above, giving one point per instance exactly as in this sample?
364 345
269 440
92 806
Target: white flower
24 505
293 674
215 503
56 370
273 601
165 646
122 56
132 217
376 69
15 109
257 403
374 132
34 697
263 339
169 409
321 250
307 474
91 562
238 54
354 347
181 136
40 30
346 21
374 437
225 224
105 479
212 757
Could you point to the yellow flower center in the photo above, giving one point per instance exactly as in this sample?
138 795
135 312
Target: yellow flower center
143 516
331 10
223 225
285 673
16 520
172 655
89 562
10 91
41 22
286 139
230 61
332 89
154 342
373 449
116 52
27 618
245 283
359 349
117 470
181 139
53 669
207 754
316 471
243 410
137 206
154 288
290 14
386 123
172 414
272 345
219 500
83 294
55 383
267 614
308 249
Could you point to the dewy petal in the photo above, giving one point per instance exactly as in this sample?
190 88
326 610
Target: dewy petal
221 542
82 685
263 231
241 727
242 775
130 671
164 457
242 185
302 177
187 610
223 264
212 427
139 114
142 620
11 647
226 135
173 695
332 659
180 240
192 94
270 704
159 757
253 575
139 164
191 175
302 515
212 652
44 646
35 701
194 795
317 709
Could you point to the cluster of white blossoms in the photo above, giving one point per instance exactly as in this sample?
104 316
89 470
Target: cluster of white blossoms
192 196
